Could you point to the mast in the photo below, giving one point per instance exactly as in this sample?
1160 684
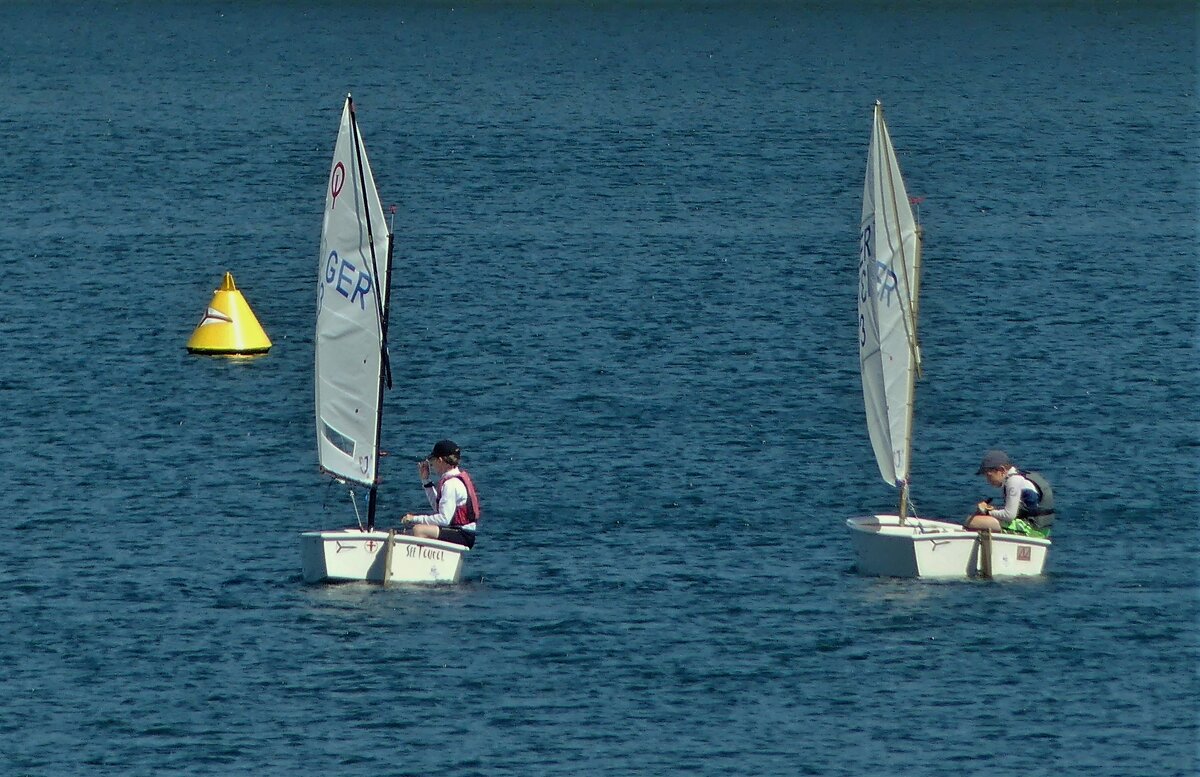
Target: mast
385 377
913 373
380 297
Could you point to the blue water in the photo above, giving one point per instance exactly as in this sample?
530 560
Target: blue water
627 239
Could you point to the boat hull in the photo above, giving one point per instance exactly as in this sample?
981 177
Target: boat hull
938 549
354 555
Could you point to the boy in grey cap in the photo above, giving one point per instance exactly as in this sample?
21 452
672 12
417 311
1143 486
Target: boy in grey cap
1021 495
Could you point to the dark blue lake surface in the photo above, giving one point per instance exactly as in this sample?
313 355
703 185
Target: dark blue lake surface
627 241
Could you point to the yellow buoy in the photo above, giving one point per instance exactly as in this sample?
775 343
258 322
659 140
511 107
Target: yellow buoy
229 326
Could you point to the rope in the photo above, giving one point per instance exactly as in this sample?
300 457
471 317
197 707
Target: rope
357 515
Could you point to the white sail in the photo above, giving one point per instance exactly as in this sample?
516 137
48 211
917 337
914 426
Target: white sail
351 311
888 266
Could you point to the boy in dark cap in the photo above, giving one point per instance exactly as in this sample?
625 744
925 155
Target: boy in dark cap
1021 495
452 496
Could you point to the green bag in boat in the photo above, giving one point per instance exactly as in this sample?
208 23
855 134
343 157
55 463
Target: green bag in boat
1026 529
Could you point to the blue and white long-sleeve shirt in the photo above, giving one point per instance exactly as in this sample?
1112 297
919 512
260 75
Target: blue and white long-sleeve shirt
1018 489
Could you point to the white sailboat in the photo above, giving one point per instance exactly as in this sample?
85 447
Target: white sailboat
889 265
352 370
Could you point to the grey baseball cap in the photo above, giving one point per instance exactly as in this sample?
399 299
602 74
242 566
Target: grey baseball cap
994 460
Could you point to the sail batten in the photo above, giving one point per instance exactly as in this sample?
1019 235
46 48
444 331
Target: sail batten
888 264
352 282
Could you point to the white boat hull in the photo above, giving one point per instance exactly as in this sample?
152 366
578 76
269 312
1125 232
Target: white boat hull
349 555
937 549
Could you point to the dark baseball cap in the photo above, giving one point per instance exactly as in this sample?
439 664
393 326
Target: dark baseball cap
994 460
443 448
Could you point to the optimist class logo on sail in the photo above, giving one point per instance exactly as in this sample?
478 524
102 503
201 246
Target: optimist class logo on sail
337 179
